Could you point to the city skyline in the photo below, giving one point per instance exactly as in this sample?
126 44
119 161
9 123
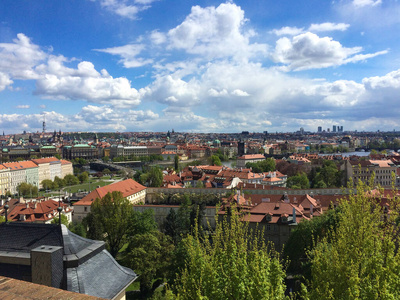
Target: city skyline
204 66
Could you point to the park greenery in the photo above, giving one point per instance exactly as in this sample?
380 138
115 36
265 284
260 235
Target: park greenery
267 165
152 177
349 252
25 189
322 174
215 160
234 263
145 158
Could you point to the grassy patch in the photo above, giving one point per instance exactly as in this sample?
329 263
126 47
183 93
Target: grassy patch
86 186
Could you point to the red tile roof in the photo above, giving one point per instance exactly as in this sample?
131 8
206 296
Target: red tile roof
21 290
45 160
13 166
26 164
37 211
65 162
127 187
252 156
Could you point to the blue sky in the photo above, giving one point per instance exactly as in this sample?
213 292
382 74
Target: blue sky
199 66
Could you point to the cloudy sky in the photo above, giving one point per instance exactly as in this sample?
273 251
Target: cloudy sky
199 66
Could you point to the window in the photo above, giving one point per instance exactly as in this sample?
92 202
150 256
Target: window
85 208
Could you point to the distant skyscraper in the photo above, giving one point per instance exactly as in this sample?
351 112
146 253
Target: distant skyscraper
319 129
340 128
334 128
301 130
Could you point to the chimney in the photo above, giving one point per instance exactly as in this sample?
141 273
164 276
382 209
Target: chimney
2 201
311 210
46 263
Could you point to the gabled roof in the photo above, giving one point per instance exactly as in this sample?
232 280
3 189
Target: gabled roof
127 187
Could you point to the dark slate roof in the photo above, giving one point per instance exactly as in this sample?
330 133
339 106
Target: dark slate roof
74 243
99 276
90 269
23 237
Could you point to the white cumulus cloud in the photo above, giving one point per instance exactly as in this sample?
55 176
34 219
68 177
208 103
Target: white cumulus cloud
328 27
287 31
126 8
130 55
83 83
309 51
215 32
18 59
362 3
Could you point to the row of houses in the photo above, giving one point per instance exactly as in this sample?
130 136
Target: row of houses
222 177
39 210
32 171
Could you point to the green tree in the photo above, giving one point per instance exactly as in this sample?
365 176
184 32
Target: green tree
232 264
27 190
64 220
58 156
71 180
361 259
83 177
109 220
171 226
267 165
215 160
303 238
60 182
199 184
2 219
47 184
77 228
106 171
299 181
155 177
142 222
176 163
149 254
183 215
